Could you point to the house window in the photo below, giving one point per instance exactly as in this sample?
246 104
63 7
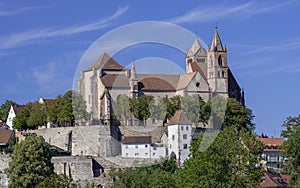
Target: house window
173 137
184 146
181 128
184 136
126 154
153 154
136 154
136 146
154 148
197 84
170 146
146 154
126 146
187 128
146 146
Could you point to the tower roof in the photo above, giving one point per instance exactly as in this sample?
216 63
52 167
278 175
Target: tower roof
216 42
196 49
179 118
105 61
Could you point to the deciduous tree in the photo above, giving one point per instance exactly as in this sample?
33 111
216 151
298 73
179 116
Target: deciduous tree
291 149
4 109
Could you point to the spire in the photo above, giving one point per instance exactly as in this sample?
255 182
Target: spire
133 74
216 42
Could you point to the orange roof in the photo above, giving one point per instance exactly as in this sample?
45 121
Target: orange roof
272 141
5 136
106 62
179 118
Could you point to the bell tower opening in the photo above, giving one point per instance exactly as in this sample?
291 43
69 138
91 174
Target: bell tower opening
220 61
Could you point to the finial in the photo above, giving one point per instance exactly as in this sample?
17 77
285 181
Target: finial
216 27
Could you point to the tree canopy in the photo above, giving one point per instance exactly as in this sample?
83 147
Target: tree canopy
63 109
30 164
4 109
291 149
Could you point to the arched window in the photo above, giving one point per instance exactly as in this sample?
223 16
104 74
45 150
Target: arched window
220 60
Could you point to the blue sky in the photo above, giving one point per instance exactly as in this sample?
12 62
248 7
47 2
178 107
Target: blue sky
42 42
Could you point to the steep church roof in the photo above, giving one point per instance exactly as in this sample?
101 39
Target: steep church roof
216 44
105 62
179 118
115 80
196 49
155 84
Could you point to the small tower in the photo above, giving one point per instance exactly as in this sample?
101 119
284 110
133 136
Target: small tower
195 54
179 136
133 82
217 69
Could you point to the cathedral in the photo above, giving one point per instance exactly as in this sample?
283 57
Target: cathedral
207 74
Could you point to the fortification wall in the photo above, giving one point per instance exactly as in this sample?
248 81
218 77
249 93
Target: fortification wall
83 140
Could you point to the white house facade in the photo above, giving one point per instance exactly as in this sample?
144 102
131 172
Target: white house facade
141 147
179 136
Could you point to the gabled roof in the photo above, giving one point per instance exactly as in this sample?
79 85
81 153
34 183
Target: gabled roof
196 49
184 80
272 180
105 62
5 136
17 108
137 140
272 141
179 118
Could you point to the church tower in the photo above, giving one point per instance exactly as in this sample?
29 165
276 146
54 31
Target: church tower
133 82
196 54
217 68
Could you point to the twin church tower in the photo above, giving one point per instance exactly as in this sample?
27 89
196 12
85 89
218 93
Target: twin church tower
207 74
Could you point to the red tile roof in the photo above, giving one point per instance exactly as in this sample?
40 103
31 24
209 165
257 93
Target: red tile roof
105 62
272 141
5 136
272 180
179 118
137 140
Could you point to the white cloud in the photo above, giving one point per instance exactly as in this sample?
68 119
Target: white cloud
18 39
218 12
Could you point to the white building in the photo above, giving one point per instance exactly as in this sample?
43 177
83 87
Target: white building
14 110
141 147
179 136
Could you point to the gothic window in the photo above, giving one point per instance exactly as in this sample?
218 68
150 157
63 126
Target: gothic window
184 136
223 74
220 60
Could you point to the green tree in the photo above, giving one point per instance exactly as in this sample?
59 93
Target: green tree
37 115
79 107
57 181
140 107
30 164
230 161
161 174
291 149
121 108
4 109
20 122
65 108
173 104
158 109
